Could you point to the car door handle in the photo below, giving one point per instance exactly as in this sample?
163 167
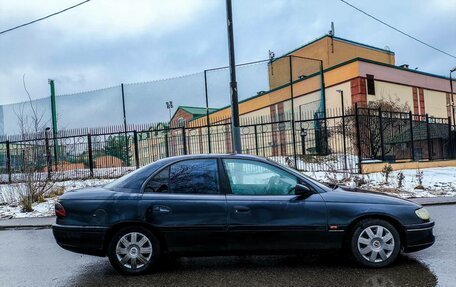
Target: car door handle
161 209
241 209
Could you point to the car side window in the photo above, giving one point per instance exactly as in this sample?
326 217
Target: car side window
158 183
198 176
249 177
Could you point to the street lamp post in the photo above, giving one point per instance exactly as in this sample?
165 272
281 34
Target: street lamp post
235 127
169 106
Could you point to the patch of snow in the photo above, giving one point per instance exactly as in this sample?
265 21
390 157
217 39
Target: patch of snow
439 181
314 163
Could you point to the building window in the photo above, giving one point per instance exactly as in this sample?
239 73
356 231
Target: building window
370 85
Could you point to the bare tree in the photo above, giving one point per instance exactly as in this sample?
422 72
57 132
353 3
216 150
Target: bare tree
373 125
34 155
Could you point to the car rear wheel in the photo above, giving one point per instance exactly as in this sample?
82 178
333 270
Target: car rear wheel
133 250
375 243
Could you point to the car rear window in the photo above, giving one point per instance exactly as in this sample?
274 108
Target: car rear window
133 181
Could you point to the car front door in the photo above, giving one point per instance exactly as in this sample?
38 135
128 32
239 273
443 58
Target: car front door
265 214
184 202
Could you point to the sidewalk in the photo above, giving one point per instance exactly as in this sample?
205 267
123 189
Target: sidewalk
434 200
46 222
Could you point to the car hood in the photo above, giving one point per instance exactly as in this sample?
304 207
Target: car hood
357 195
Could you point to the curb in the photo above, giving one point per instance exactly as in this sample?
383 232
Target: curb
429 201
25 227
27 223
438 203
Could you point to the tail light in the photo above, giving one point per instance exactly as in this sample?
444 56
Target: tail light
59 210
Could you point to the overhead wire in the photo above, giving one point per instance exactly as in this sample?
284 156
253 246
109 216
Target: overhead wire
43 18
398 30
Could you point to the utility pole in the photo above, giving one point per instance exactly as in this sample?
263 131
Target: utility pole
235 129
208 124
125 124
54 120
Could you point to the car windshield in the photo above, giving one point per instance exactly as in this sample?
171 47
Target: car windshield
133 181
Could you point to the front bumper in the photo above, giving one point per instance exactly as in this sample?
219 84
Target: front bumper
419 236
81 239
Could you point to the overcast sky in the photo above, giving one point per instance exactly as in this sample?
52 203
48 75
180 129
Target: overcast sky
105 42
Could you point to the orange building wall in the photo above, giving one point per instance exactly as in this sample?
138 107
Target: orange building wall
331 51
353 75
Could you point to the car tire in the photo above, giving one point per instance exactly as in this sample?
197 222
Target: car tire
375 243
134 250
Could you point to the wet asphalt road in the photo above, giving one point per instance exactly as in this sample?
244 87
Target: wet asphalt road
32 258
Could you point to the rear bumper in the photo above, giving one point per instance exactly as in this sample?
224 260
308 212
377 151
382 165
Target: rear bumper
419 236
81 239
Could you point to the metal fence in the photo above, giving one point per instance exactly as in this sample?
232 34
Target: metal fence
396 136
337 141
144 102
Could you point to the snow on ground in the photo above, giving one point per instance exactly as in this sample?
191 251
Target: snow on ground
439 181
310 163
435 182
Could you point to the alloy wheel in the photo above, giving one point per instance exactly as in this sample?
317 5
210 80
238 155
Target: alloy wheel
376 243
134 250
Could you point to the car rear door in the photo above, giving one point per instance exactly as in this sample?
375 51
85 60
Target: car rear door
185 203
265 214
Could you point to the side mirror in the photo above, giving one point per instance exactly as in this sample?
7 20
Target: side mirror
301 189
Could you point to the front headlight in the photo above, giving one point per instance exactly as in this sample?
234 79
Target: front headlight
422 213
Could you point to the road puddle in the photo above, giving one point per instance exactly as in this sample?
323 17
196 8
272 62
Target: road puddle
264 271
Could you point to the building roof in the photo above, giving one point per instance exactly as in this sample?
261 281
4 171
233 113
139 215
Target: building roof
196 111
341 40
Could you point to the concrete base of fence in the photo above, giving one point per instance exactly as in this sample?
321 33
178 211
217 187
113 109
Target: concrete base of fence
378 166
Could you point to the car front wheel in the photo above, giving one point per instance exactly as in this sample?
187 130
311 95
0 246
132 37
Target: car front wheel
375 243
133 250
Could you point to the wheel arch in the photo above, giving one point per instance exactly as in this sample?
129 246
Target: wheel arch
115 228
386 217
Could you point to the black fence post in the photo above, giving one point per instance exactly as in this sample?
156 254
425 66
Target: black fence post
184 140
135 140
166 144
303 134
344 140
48 153
358 138
412 143
256 138
293 134
89 147
8 160
450 141
382 142
428 132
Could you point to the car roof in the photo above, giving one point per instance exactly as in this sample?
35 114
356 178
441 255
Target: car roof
212 155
